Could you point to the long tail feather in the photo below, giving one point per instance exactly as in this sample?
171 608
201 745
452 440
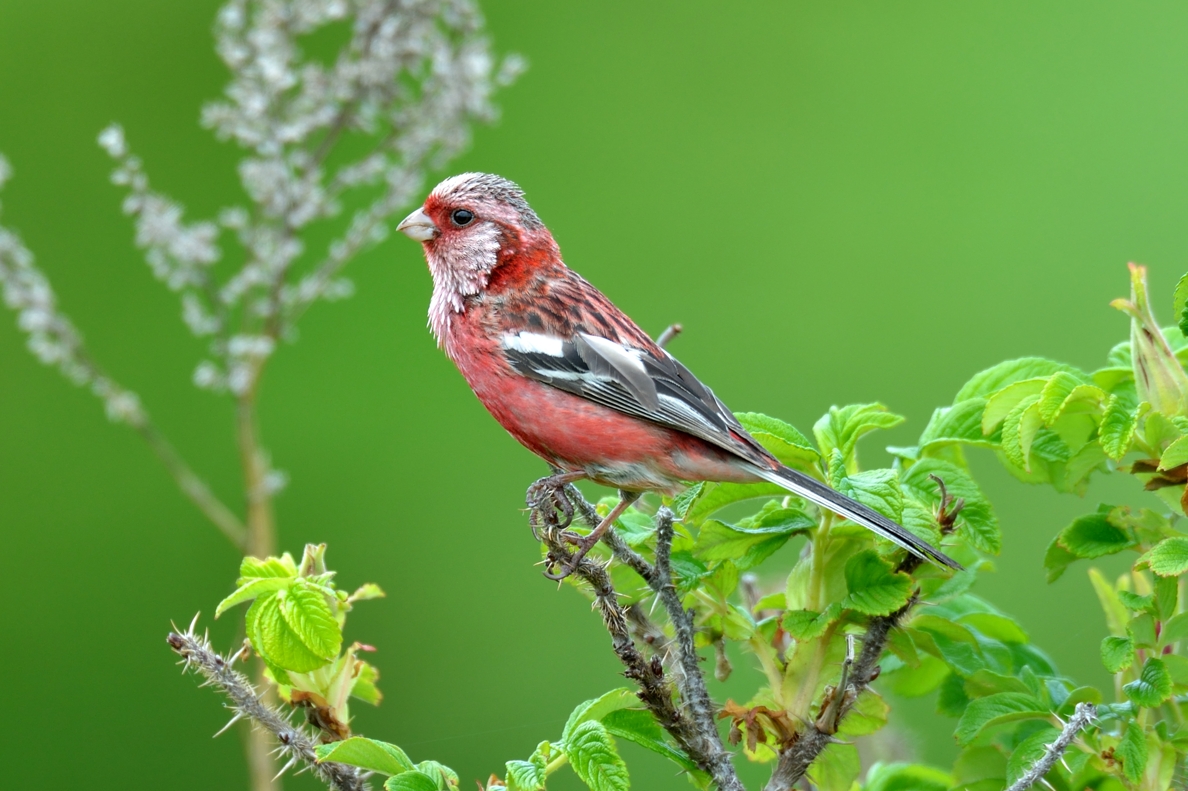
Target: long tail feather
816 492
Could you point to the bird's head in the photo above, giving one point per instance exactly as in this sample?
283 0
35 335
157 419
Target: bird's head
469 225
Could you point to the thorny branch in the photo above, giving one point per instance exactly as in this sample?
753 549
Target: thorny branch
1082 716
795 759
690 722
197 655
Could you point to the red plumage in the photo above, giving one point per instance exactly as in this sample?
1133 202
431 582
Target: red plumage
568 374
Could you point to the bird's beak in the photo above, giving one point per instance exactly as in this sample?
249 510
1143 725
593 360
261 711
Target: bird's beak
418 226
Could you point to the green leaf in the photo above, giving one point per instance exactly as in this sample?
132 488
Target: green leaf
874 588
1115 612
713 497
1142 631
1117 653
367 591
369 754
275 641
809 625
1167 594
1027 752
1175 455
748 547
987 682
1168 558
995 710
639 726
446 778
1093 536
412 781
1057 559
1132 752
951 642
594 758
597 708
1118 423
526 775
1136 603
253 568
877 489
305 610
253 589
977 522
364 687
842 427
906 777
836 768
995 626
999 376
1019 430
957 424
782 440
1002 403
1179 300
1062 391
1152 687
1175 629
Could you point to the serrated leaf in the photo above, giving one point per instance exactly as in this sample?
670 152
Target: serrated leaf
907 777
951 642
836 768
1152 687
525 775
960 423
594 758
369 754
713 497
255 588
640 727
782 440
748 547
305 610
1142 631
1057 559
993 379
1179 300
1019 430
1175 629
1134 602
877 489
1062 391
1175 455
445 777
1132 752
809 625
1168 558
412 781
868 714
365 688
367 591
254 568
275 641
1002 403
842 427
597 708
977 522
987 682
1118 424
1027 752
995 626
1093 536
1167 595
874 587
995 710
1117 653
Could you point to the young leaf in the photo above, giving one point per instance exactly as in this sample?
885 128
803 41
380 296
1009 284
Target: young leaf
254 568
412 781
712 497
253 589
1057 559
364 687
594 758
874 588
369 754
809 625
1019 430
1002 403
1115 613
1175 629
782 440
836 768
1175 455
1062 391
1152 687
1167 594
842 427
1168 558
1142 631
996 627
907 777
995 710
999 376
525 776
957 424
1132 752
977 521
1136 603
304 608
1117 653
1093 536
596 709
367 591
639 726
878 489
275 641
1118 423
1028 751
748 547
949 641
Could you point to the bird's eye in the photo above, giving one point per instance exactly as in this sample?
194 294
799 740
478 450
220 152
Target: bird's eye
462 217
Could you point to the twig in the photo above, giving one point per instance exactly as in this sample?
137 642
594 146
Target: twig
670 332
795 760
198 655
1082 716
704 749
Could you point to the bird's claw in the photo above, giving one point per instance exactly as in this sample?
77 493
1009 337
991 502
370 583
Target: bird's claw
559 569
546 498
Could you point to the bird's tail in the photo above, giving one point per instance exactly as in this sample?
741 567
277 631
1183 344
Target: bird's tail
818 493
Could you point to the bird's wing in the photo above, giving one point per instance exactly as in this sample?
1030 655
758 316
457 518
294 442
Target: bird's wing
649 384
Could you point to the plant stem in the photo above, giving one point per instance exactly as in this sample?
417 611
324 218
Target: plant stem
261 528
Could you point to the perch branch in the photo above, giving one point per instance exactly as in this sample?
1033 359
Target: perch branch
702 746
1082 716
197 655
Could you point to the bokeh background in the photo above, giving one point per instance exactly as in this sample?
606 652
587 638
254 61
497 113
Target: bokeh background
842 201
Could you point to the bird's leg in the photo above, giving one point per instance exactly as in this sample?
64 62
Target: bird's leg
586 543
547 496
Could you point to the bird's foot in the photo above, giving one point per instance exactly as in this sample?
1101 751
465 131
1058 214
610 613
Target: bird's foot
546 498
559 569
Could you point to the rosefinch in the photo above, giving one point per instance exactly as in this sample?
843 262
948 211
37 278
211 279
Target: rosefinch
575 380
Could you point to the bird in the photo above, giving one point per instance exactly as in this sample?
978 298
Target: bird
575 380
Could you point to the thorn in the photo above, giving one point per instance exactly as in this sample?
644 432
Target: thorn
285 768
239 715
193 623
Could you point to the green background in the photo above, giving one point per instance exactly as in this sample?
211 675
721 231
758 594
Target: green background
841 201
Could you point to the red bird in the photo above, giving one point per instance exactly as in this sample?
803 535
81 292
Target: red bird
573 378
